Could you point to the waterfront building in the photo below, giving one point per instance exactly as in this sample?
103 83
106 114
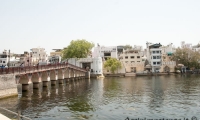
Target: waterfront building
154 56
38 55
159 57
105 52
168 65
133 59
93 64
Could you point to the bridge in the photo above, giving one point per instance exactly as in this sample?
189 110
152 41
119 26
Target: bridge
36 77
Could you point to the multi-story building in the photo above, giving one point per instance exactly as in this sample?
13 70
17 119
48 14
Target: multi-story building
159 57
154 56
93 64
105 52
56 52
6 57
186 45
133 59
25 59
38 55
54 59
168 65
196 47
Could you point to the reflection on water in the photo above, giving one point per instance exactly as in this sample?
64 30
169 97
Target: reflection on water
112 98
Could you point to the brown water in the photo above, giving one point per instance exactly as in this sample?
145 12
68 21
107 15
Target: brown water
151 97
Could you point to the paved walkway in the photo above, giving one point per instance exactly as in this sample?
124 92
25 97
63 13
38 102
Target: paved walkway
2 117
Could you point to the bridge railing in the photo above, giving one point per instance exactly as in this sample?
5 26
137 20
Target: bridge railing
29 69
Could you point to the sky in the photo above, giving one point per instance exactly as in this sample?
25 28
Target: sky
52 24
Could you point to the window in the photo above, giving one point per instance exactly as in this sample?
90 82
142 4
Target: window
158 63
132 57
138 56
157 51
158 57
154 51
154 57
0 61
126 61
107 54
154 63
132 61
126 57
138 61
4 61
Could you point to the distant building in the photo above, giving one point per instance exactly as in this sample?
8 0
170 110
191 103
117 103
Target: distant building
5 58
94 64
54 59
186 45
196 47
105 52
154 56
56 52
168 65
159 58
38 55
133 59
24 59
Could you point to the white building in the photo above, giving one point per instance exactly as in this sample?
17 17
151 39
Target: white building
54 59
105 52
159 57
186 45
94 64
5 57
38 55
154 56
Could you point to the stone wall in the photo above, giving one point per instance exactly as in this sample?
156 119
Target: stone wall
8 85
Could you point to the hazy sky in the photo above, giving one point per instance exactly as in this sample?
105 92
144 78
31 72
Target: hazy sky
26 24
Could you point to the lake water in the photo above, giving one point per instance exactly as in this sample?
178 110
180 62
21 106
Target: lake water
113 98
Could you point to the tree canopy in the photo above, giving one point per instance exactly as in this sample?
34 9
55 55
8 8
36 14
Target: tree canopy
187 57
126 47
77 49
112 64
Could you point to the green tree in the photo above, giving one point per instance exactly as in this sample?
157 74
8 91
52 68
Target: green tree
126 47
77 49
187 57
112 64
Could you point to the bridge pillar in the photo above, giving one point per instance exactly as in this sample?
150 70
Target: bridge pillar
87 75
61 77
26 82
37 81
67 74
19 86
46 80
71 74
54 77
